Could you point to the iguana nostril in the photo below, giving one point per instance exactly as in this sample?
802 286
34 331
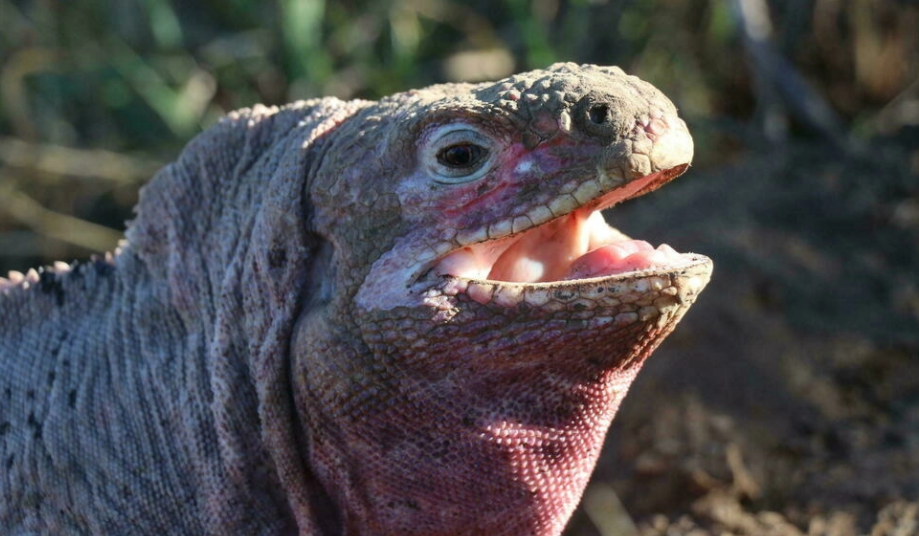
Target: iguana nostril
598 114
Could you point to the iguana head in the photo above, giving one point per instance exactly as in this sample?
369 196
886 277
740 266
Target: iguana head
480 322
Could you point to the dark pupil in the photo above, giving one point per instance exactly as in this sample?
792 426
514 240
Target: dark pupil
460 156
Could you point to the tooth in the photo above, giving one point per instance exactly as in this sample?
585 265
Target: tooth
609 178
540 214
521 223
536 297
443 248
507 295
641 287
563 204
499 229
569 186
480 292
587 191
472 236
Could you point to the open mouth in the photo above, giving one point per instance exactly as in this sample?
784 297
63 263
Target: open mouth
576 245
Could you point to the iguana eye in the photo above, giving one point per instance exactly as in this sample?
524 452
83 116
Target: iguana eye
455 154
463 155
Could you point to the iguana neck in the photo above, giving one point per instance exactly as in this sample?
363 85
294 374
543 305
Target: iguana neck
491 441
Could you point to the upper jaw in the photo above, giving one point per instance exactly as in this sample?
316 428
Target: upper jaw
574 245
567 238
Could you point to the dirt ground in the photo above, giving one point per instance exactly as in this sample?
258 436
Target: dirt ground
787 401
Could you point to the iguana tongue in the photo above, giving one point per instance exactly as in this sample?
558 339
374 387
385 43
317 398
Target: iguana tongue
576 246
621 257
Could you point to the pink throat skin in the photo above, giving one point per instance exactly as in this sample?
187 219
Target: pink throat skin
578 245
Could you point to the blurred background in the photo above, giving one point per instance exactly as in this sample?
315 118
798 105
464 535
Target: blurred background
787 403
96 95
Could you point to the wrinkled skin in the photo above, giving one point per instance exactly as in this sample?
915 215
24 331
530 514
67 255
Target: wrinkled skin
286 344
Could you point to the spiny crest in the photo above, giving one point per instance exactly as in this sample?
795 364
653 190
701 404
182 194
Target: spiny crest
48 278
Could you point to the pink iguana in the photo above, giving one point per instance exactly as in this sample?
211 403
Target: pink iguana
394 317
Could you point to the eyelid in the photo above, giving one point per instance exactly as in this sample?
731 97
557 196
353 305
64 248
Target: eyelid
456 134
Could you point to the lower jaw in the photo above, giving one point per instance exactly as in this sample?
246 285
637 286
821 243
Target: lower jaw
686 275
516 396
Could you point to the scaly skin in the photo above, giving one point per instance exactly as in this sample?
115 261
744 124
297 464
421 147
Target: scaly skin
286 343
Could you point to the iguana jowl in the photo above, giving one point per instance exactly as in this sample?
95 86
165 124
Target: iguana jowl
394 317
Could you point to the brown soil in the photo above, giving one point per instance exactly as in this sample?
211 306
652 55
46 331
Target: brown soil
787 401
